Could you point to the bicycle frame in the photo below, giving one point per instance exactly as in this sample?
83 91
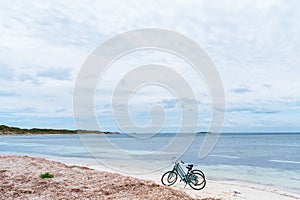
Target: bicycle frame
177 168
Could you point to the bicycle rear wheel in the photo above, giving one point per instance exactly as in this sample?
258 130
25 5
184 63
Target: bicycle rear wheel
169 178
196 180
197 170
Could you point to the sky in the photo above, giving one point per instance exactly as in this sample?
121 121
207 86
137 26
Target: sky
254 45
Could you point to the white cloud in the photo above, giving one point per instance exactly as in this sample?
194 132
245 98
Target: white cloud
253 43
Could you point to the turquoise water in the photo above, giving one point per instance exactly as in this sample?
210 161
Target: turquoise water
272 159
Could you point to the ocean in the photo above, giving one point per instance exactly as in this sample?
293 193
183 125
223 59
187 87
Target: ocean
264 158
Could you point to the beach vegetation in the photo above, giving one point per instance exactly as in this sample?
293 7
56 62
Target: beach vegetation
7 130
46 175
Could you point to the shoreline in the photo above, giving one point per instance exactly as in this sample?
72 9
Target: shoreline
14 131
216 189
220 188
141 172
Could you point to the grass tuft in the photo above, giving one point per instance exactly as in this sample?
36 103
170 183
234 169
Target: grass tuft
46 175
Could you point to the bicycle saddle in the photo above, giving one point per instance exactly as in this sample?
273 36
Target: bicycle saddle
190 166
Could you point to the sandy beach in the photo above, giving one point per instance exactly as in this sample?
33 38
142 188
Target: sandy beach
20 180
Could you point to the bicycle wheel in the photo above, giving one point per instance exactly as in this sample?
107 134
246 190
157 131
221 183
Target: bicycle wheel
169 178
196 180
199 171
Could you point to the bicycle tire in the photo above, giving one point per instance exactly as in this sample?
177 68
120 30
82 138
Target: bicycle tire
193 180
169 178
197 170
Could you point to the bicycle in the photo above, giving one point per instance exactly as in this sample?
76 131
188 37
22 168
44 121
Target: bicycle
195 178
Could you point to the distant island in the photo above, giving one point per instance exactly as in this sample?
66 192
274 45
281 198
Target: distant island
7 130
203 132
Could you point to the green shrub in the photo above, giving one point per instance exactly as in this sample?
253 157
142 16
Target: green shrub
46 175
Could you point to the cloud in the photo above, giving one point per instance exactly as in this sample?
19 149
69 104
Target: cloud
254 45
6 72
265 85
241 90
255 110
8 94
265 111
169 103
56 73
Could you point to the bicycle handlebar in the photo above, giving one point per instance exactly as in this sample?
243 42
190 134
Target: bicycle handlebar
178 161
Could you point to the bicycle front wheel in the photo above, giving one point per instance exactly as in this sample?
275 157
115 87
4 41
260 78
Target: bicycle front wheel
169 178
196 180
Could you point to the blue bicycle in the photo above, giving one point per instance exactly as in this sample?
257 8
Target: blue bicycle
195 178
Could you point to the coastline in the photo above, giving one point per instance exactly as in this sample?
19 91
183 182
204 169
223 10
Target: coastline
215 189
14 131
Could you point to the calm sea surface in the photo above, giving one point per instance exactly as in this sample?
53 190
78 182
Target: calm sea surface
272 158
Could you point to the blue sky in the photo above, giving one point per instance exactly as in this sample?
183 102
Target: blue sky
255 46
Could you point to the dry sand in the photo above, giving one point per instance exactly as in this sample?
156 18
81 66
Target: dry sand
19 179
